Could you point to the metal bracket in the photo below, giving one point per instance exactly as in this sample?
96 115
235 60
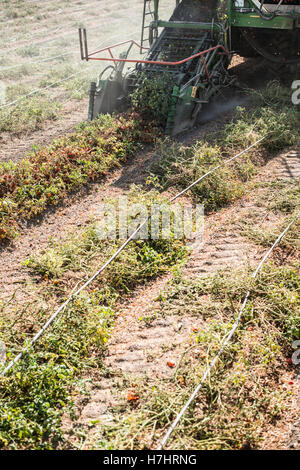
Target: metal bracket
83 44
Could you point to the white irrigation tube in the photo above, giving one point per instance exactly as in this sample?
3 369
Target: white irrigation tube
40 42
45 41
29 37
46 59
225 341
41 89
113 257
218 166
62 307
47 87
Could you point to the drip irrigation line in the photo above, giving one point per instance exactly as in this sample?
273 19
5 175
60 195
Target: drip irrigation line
48 59
48 86
225 342
218 166
110 260
37 90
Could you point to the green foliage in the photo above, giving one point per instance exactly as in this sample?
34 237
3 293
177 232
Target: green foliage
29 51
58 73
152 97
19 9
283 199
27 115
243 393
142 260
272 114
35 395
275 298
49 174
39 391
273 95
281 125
178 166
15 74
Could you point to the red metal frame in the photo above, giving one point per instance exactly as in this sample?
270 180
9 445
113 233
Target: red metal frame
155 62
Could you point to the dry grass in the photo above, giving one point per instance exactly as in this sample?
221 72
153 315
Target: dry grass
31 33
245 392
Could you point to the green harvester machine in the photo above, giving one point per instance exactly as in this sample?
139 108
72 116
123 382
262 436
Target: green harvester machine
194 49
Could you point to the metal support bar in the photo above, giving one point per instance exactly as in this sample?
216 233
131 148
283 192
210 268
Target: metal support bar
185 25
205 67
155 62
83 44
131 41
111 55
91 101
